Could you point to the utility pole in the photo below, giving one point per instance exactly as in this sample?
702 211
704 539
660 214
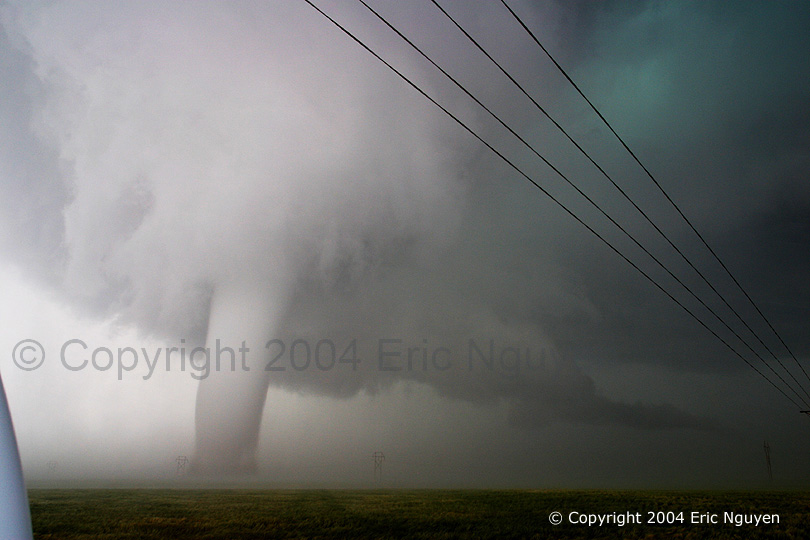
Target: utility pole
768 459
182 461
379 457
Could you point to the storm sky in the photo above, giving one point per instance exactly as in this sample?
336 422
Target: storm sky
154 155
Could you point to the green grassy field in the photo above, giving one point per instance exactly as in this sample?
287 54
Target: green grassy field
244 513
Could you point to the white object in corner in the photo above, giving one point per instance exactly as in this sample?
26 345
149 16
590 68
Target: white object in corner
15 517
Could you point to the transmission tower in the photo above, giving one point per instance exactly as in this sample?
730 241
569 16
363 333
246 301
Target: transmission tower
768 459
379 457
52 466
182 461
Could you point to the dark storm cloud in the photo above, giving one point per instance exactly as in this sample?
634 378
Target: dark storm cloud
713 97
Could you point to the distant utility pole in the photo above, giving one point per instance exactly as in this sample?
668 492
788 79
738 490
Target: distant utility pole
182 461
379 457
768 459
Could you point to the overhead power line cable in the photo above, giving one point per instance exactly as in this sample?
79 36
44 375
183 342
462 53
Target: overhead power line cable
548 194
585 196
669 199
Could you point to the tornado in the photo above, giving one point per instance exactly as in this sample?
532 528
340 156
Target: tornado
230 401
234 173
215 169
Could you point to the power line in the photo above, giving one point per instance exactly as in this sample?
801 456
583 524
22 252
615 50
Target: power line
545 192
584 195
671 202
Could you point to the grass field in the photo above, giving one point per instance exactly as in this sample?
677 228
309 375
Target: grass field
244 513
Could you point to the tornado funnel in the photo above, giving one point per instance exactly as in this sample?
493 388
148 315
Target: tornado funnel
231 399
